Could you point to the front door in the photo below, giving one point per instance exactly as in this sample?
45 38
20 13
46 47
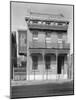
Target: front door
47 64
60 63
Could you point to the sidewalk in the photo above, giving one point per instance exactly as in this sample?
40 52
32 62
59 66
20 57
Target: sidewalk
35 82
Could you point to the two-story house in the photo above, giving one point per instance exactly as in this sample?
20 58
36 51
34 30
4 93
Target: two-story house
48 48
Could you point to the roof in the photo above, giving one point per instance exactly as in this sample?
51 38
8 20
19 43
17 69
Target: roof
46 16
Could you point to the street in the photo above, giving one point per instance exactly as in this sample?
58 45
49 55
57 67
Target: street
48 89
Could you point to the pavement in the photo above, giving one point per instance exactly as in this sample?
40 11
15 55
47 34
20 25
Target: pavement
33 82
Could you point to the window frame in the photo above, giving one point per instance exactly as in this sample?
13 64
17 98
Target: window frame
35 35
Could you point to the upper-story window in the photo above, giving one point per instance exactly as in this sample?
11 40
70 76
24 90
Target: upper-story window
47 22
43 22
39 22
60 37
30 22
52 23
48 35
64 24
56 24
35 21
35 35
54 37
59 23
64 38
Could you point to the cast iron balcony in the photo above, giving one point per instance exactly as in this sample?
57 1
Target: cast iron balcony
38 45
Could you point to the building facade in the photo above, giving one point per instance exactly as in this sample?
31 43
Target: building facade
47 47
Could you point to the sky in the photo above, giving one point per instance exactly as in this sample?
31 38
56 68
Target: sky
20 10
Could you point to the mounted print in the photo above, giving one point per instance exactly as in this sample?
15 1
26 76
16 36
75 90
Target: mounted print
42 49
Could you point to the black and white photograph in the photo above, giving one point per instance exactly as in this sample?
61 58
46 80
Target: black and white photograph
41 49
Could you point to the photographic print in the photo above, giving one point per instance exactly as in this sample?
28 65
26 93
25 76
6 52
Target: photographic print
41 49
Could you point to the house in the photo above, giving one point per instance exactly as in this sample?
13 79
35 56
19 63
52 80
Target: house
48 48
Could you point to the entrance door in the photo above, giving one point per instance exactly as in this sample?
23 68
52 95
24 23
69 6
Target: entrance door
47 64
34 65
60 63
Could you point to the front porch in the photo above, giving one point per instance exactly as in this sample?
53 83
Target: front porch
48 65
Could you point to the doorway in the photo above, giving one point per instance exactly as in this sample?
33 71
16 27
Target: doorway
60 62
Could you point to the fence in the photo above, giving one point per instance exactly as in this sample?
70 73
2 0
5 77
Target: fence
19 74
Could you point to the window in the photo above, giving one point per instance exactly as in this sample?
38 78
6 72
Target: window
64 24
56 23
47 22
54 37
35 35
60 41
39 22
35 21
31 22
23 64
52 23
34 62
44 23
23 39
47 35
60 37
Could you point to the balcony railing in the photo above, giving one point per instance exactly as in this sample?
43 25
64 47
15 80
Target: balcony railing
35 44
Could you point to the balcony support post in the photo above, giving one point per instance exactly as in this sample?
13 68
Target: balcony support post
56 65
43 65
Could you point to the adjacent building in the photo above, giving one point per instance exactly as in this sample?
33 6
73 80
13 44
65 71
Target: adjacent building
13 52
19 73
